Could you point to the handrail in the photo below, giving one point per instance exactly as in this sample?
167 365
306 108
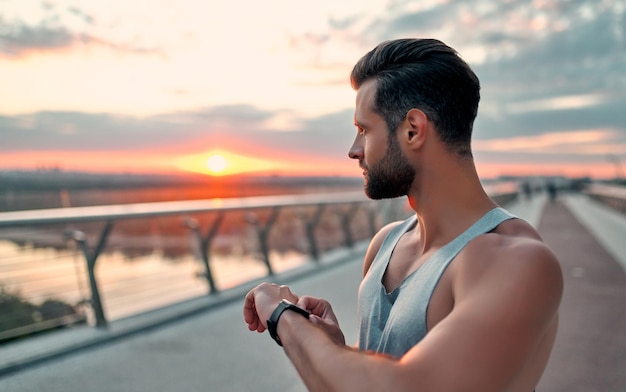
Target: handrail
613 196
607 190
144 210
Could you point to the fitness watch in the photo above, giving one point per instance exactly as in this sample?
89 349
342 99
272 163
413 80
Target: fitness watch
272 323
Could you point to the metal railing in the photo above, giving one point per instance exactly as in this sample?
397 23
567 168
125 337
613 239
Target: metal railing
613 196
343 205
89 229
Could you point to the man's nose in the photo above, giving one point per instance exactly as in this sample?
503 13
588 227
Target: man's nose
356 151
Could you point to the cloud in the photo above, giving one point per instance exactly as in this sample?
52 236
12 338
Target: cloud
92 132
82 15
16 40
557 103
411 23
343 23
586 142
53 33
235 126
584 56
496 120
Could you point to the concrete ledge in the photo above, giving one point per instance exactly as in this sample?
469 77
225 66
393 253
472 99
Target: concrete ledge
605 224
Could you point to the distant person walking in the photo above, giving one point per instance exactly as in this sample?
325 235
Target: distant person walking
552 191
462 296
527 190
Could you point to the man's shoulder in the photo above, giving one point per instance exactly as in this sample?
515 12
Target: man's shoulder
514 237
513 251
513 240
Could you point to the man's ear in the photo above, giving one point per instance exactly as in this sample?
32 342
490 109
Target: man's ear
415 128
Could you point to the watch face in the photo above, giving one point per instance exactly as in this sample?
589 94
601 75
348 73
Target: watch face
272 323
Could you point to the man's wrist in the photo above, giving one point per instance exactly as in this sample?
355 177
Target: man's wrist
272 322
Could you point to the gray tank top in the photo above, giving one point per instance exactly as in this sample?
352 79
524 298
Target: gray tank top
392 323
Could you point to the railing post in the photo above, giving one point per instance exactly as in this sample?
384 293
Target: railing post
346 219
204 242
371 218
91 258
391 210
263 234
310 225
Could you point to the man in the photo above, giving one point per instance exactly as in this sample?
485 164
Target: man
462 296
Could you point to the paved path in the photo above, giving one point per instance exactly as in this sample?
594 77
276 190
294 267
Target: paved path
213 351
590 350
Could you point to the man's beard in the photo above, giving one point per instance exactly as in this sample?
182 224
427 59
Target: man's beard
391 177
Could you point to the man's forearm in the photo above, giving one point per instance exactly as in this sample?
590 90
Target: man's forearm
324 365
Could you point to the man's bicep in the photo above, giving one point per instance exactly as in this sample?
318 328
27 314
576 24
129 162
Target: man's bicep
492 331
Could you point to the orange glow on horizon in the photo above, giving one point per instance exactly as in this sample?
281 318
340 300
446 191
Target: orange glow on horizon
177 162
89 161
285 164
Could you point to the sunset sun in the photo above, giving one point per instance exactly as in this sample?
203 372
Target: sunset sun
224 163
216 163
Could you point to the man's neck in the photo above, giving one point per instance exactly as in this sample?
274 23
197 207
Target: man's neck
447 200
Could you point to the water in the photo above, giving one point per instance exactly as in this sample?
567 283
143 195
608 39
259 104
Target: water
128 285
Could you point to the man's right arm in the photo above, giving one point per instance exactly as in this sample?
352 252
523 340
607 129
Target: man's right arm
485 341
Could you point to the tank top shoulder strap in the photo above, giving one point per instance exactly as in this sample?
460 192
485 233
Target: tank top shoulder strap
389 243
440 260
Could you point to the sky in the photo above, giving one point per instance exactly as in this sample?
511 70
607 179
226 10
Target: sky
144 86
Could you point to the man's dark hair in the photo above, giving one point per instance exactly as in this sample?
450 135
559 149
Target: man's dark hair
428 75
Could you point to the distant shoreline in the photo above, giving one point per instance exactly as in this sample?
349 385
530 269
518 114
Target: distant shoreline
56 189
56 180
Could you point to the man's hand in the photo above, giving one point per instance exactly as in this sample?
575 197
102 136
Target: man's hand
323 316
261 301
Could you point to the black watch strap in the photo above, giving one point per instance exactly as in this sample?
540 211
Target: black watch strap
272 323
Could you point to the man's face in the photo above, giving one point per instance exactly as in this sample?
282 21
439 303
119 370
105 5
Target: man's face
386 170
